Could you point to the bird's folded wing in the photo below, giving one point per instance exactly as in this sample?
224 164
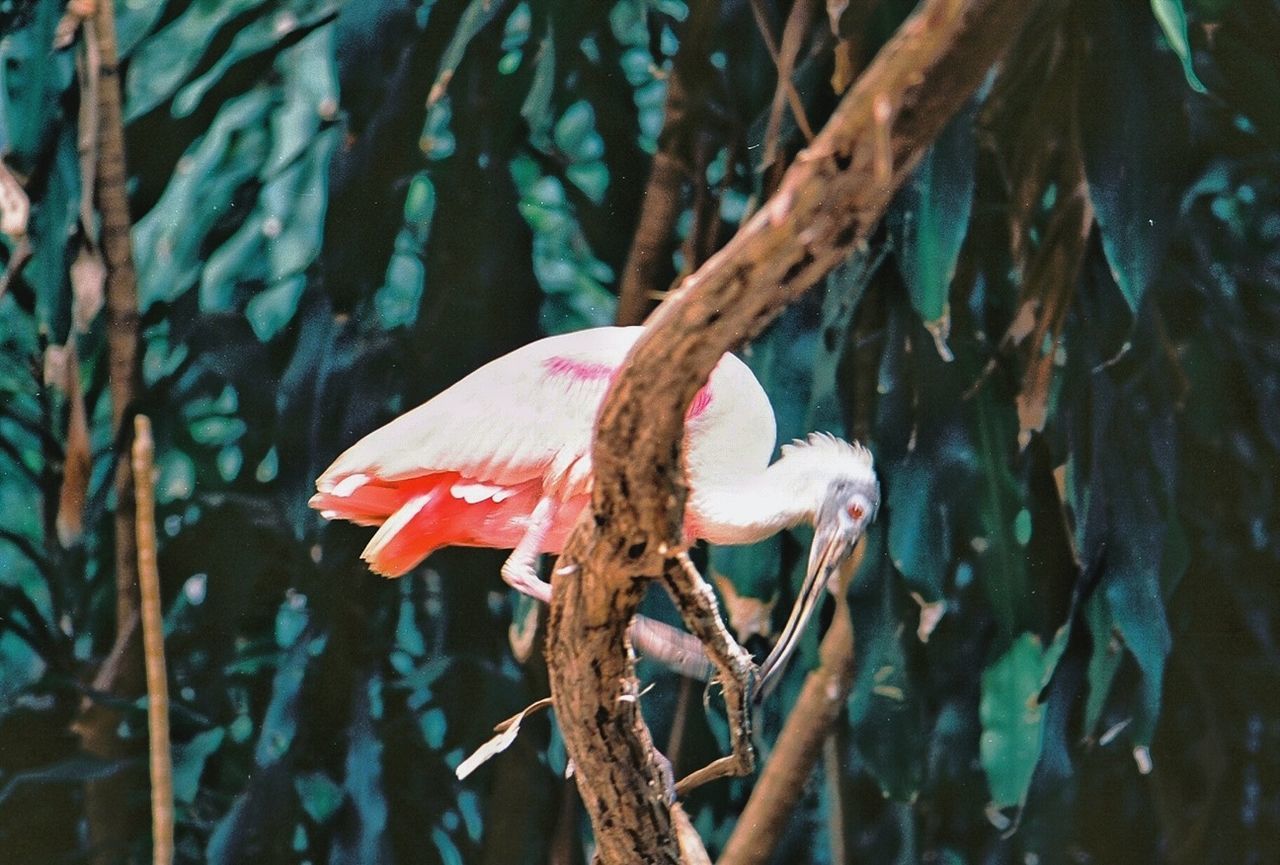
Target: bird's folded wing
527 415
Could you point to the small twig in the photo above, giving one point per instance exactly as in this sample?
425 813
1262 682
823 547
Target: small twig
153 644
696 601
535 706
784 62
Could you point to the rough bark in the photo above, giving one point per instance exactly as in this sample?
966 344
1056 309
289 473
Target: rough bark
106 801
828 203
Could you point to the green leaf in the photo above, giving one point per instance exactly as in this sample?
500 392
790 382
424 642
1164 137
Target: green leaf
885 713
261 35
575 133
168 241
449 854
33 79
846 285
217 429
1012 716
1133 596
474 19
398 299
998 497
1173 21
272 309
365 840
930 221
319 795
189 760
919 526
164 60
536 108
177 477
280 723
420 206
1135 140
1104 661
134 20
590 177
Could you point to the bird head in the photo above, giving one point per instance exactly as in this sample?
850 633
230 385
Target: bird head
848 503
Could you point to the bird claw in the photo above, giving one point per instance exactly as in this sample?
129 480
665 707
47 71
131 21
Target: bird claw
737 670
523 577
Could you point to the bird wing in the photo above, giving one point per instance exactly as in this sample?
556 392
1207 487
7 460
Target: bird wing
526 415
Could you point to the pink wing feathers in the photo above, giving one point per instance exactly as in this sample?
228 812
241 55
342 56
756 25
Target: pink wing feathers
468 466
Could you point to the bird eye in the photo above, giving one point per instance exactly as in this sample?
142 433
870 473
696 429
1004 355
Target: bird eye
857 511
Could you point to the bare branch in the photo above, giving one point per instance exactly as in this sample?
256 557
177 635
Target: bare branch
153 646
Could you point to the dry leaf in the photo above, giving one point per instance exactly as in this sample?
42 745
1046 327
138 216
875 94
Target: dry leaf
65 362
846 68
77 12
507 732
88 285
15 207
747 615
930 615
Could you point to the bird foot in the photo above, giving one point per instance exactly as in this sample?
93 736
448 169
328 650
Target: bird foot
736 670
521 573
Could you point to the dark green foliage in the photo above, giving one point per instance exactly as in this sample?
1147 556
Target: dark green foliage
342 208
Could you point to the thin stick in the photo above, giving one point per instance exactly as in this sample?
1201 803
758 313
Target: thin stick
153 645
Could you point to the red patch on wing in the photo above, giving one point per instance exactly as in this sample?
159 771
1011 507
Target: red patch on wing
579 370
701 400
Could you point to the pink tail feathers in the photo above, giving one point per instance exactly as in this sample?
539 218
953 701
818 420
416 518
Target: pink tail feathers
407 514
406 538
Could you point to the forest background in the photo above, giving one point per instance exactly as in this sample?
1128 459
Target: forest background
1062 346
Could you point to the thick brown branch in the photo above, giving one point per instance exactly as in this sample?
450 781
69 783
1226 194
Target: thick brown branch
106 799
122 296
828 203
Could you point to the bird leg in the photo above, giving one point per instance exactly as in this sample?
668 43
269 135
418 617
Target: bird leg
520 570
677 650
671 647
696 601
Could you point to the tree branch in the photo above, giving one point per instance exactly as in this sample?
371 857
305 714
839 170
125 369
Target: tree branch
153 644
106 803
828 203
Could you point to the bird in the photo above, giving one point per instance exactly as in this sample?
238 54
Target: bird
502 459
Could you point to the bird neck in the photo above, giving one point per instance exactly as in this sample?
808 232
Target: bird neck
752 506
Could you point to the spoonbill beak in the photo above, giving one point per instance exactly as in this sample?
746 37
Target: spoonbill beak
839 526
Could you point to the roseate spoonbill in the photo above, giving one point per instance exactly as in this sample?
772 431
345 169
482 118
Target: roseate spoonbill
503 459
